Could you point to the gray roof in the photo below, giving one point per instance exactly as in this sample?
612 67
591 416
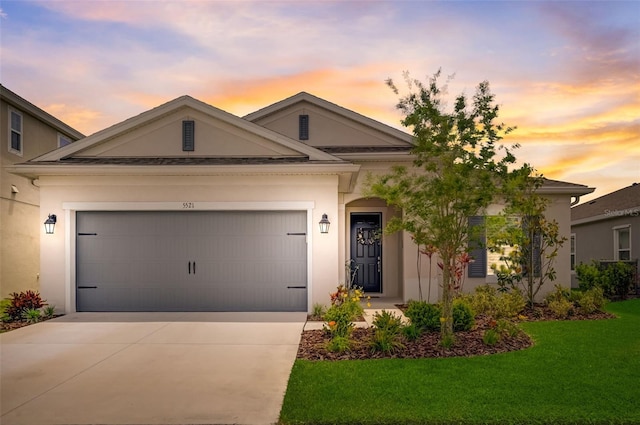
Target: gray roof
627 198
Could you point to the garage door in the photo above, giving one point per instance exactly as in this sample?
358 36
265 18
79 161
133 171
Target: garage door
191 261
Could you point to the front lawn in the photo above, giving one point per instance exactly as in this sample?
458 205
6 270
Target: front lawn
578 372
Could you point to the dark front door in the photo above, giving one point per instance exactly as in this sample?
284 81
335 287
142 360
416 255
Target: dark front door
366 250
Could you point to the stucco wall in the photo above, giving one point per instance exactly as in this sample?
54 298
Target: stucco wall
20 217
58 250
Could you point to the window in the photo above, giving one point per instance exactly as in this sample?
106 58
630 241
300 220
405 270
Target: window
63 140
573 251
622 243
188 136
303 124
495 231
15 132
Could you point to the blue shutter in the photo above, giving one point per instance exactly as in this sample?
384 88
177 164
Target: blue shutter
188 136
477 247
303 126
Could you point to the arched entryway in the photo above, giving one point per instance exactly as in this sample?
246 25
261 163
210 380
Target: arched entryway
374 258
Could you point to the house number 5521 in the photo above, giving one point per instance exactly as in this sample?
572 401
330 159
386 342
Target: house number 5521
188 205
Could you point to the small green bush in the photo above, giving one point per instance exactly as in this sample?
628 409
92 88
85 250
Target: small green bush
339 320
618 278
387 321
507 327
318 311
32 315
387 332
561 308
463 317
591 300
559 294
510 304
423 315
489 301
491 337
483 300
4 306
49 311
588 276
339 344
615 279
411 332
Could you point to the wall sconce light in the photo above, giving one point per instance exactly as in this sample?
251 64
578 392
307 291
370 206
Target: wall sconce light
50 224
324 224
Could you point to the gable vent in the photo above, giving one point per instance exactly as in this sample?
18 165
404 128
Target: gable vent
188 136
303 124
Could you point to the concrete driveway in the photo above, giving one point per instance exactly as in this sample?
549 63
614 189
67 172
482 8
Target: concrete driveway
149 368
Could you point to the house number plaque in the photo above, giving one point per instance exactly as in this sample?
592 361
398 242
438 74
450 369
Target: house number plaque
188 205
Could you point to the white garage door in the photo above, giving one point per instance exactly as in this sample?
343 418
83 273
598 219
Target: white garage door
191 261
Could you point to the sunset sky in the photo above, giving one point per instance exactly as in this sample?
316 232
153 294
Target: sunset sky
567 74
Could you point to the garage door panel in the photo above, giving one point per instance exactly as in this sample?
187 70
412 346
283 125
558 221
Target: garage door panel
191 261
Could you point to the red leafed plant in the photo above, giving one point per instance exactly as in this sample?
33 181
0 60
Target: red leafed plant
23 301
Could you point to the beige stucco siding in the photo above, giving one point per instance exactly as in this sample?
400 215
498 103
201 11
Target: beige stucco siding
164 138
326 128
20 217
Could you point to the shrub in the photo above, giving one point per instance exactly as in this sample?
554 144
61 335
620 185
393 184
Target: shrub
387 321
618 278
491 337
348 299
615 279
32 315
386 335
483 300
507 327
510 304
463 317
489 301
318 311
339 320
588 276
559 294
423 315
561 308
411 332
20 302
4 306
591 300
49 311
339 344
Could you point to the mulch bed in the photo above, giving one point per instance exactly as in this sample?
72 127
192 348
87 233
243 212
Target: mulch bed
468 343
9 326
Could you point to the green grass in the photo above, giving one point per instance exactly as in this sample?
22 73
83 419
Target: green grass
580 372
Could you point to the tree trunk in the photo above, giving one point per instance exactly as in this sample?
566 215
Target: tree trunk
446 320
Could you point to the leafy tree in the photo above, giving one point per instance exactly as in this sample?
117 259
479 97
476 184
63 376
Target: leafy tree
535 239
458 170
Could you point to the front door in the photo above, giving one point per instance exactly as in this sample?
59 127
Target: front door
366 250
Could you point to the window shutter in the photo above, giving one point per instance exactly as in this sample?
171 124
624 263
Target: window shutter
477 247
303 125
188 136
534 248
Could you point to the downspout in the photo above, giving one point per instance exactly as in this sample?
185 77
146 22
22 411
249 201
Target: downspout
575 201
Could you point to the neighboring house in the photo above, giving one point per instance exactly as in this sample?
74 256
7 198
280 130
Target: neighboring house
27 131
607 228
189 208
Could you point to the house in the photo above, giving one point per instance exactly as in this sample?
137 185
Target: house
27 132
606 228
186 207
